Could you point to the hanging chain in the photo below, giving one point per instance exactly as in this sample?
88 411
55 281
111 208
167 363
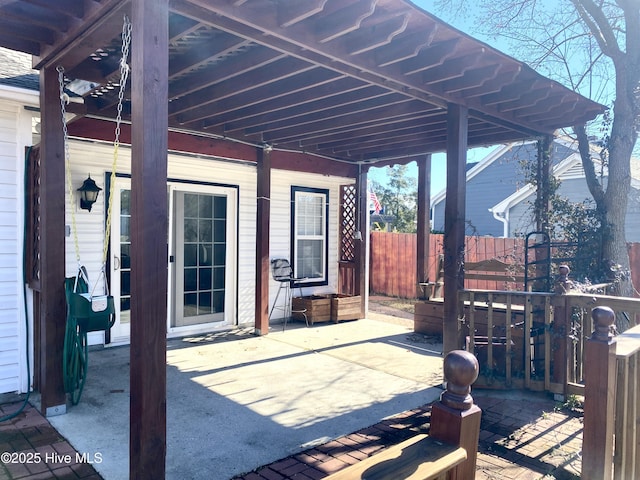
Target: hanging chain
124 75
64 100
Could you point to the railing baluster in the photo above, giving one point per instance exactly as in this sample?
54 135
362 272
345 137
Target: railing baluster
508 322
472 325
547 343
528 321
490 331
635 398
622 399
628 426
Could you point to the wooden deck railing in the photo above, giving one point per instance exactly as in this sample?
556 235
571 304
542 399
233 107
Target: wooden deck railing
513 336
532 340
544 342
611 410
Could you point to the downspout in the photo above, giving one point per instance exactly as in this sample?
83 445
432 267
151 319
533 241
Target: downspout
504 218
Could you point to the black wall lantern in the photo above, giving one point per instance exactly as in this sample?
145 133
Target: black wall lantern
88 193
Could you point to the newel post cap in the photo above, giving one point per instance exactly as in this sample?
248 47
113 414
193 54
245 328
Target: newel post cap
603 320
460 371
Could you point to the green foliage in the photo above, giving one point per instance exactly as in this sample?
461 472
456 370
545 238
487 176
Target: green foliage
399 198
584 229
581 226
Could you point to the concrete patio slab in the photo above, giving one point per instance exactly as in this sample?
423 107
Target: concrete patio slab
236 401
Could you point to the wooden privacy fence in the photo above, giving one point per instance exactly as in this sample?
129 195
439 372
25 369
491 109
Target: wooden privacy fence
393 260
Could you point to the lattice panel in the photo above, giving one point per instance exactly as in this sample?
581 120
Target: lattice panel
348 222
33 218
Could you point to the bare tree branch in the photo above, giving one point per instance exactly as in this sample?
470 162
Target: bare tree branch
595 19
594 185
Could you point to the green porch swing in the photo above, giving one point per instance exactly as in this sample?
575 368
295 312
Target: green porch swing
87 312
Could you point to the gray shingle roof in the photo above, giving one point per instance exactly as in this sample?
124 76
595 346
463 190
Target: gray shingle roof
16 71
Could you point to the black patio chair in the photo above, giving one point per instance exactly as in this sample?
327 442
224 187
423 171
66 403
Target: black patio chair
282 273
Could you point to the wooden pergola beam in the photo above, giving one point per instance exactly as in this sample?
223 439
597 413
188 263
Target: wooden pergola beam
361 278
424 225
149 227
51 324
454 223
263 221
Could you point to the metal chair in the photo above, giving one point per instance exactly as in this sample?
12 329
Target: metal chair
282 273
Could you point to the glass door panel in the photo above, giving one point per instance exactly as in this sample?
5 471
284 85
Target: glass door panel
201 258
121 260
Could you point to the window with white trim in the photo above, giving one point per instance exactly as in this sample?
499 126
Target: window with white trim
309 216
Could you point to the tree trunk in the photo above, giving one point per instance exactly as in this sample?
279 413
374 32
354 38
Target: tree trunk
613 202
623 138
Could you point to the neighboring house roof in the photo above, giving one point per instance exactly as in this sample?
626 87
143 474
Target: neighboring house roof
570 168
16 71
476 168
496 154
568 165
496 184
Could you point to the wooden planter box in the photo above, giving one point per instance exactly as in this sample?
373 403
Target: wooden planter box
318 308
345 307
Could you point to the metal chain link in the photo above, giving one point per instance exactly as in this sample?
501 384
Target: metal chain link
64 99
124 75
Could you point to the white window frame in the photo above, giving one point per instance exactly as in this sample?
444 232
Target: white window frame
297 193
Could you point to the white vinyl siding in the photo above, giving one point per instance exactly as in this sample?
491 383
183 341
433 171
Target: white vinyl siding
280 231
15 135
95 158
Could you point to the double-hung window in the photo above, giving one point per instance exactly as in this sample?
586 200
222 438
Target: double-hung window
309 217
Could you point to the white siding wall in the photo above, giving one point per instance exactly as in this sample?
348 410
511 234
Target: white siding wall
632 225
245 177
15 135
95 159
280 235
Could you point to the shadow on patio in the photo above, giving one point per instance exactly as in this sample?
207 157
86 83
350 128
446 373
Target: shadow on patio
236 401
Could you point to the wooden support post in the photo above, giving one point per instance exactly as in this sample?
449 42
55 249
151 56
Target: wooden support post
361 280
52 258
149 223
455 419
263 220
599 397
424 224
454 224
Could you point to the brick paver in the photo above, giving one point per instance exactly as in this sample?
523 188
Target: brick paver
36 450
523 441
515 442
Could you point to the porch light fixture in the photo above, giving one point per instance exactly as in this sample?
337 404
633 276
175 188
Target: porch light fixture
88 193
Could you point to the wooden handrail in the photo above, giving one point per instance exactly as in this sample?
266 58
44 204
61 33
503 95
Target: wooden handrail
628 343
418 458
